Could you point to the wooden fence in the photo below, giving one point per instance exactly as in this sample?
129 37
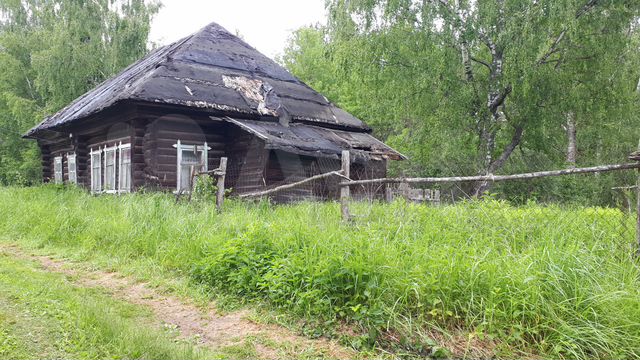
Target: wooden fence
345 185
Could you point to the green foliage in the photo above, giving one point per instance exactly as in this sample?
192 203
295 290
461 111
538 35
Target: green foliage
51 52
205 189
400 66
549 280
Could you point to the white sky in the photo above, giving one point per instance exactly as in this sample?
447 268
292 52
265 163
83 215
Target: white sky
264 24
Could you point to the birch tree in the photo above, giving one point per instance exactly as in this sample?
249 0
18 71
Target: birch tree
463 84
50 53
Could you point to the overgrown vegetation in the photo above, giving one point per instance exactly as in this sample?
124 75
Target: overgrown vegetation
558 282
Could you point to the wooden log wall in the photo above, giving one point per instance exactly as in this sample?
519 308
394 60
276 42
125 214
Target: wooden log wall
47 162
372 169
138 162
152 135
82 162
247 160
283 167
54 149
160 156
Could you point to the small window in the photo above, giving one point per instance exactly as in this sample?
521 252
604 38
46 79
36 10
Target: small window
110 169
72 169
124 184
191 159
57 169
96 173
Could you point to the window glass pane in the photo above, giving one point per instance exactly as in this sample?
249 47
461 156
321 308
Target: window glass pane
185 177
125 169
189 157
57 170
71 165
126 155
192 159
109 169
96 176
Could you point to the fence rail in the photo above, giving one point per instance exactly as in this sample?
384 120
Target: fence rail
477 178
346 183
291 185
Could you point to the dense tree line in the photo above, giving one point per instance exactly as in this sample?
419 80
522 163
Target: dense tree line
51 52
460 86
482 86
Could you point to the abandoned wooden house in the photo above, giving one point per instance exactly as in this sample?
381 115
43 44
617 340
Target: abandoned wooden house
186 105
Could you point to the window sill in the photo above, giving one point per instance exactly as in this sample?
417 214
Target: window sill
111 192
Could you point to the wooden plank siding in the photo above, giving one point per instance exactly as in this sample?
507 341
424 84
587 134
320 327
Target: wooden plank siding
160 155
247 160
46 162
153 132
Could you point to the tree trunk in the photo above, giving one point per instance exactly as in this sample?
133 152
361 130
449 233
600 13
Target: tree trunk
571 139
482 186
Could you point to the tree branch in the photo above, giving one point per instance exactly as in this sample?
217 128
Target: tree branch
499 100
554 47
506 153
481 62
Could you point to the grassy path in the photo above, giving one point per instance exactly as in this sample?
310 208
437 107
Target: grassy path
53 309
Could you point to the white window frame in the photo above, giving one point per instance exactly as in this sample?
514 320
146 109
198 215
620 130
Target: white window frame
72 171
114 178
58 170
196 148
96 188
122 147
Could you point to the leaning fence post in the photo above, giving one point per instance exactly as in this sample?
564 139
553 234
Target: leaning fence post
344 189
220 184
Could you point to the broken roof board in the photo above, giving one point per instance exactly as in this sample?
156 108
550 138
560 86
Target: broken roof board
191 72
312 140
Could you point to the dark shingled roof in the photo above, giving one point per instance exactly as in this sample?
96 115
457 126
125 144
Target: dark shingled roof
215 70
317 141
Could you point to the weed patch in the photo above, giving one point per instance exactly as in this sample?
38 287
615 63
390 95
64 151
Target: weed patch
438 281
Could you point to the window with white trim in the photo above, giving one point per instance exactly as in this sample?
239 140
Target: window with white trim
109 184
96 170
57 169
124 184
72 171
191 159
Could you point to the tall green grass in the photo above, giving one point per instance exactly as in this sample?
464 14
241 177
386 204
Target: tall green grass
559 282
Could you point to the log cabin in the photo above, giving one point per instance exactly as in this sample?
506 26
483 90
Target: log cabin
186 105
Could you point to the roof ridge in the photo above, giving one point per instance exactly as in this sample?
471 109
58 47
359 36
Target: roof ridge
207 55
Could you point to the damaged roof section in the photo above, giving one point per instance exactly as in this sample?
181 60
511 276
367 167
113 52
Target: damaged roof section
210 70
305 139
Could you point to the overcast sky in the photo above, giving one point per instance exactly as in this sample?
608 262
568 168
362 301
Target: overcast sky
264 24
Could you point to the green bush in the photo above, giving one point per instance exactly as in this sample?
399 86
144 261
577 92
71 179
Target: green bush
556 281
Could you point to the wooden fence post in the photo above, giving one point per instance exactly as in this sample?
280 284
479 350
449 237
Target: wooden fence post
344 189
388 193
638 213
220 183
